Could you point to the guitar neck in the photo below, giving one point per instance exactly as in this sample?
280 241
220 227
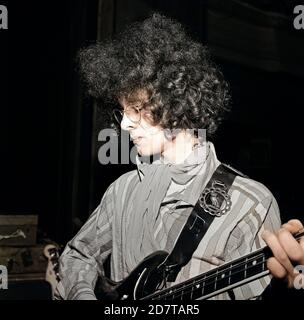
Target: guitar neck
218 280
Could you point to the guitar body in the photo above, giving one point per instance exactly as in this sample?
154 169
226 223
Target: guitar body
148 279
145 279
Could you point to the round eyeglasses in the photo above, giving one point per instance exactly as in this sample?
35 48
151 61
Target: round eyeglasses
132 113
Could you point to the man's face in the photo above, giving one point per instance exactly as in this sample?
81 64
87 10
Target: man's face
148 138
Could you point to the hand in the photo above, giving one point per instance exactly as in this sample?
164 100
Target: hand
287 252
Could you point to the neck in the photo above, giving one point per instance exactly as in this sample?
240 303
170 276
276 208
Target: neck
177 150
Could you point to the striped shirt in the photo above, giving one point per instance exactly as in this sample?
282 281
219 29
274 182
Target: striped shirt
109 231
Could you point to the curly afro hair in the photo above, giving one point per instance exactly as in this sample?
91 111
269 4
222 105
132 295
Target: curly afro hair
185 89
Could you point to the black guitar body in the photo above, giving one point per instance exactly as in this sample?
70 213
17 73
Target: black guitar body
145 279
148 279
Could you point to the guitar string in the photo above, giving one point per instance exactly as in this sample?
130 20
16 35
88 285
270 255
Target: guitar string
185 289
189 283
206 277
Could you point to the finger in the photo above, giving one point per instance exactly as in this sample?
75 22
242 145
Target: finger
276 269
302 243
293 225
291 246
278 251
296 223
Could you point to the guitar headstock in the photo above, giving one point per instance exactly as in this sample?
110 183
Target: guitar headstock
51 252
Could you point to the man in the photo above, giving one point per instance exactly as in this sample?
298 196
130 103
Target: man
168 90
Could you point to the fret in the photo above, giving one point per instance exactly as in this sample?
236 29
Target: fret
182 294
237 273
229 277
198 287
256 265
209 285
187 292
192 290
245 267
263 263
223 278
204 281
171 294
215 280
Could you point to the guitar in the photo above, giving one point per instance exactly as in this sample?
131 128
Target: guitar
51 252
148 279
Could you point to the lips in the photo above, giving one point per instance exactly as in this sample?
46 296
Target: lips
136 140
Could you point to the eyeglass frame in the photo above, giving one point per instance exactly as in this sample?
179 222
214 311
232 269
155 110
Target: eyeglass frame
122 113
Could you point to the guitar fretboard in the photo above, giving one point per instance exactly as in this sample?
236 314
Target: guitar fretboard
216 281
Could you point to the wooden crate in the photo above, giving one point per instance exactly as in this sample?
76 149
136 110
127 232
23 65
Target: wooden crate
18 230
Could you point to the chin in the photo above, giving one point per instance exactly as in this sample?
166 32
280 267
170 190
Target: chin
145 152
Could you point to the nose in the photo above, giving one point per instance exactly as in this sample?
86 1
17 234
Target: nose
126 124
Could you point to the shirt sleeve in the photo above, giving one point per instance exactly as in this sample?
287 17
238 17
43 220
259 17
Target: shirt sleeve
82 260
246 238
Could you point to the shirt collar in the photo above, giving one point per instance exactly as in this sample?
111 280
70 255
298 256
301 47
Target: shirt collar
207 162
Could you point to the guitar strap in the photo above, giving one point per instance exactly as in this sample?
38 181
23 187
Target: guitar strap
213 202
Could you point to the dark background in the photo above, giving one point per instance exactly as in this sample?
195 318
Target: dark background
48 161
